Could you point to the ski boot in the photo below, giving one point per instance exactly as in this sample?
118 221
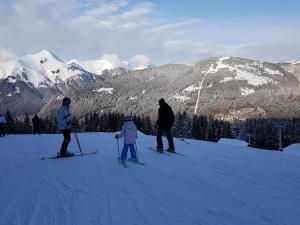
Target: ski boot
65 154
133 159
171 149
160 149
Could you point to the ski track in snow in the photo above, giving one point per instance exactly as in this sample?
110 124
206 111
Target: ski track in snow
213 184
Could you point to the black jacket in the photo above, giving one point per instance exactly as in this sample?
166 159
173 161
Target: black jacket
36 121
165 116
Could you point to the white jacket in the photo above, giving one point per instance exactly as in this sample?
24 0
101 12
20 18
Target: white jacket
129 132
2 120
64 118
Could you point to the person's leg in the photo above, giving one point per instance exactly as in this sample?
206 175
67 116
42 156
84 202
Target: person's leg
132 151
1 130
170 140
67 138
159 139
124 152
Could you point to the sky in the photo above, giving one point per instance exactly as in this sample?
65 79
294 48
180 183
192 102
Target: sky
151 32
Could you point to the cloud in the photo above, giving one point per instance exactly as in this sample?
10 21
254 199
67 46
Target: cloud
87 29
138 11
106 9
112 58
6 54
140 61
175 25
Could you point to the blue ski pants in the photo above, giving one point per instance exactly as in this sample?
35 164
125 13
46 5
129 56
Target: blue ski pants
125 150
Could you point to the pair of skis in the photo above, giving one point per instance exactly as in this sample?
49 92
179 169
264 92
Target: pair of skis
167 152
69 156
125 165
58 156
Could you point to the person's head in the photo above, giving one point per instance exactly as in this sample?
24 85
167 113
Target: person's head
161 101
66 101
127 116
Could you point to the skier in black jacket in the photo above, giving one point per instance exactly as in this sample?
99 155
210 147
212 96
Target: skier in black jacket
36 125
164 125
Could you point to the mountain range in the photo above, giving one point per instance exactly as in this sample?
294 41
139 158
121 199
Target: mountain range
224 87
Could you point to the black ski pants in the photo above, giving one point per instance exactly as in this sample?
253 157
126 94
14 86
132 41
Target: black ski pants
36 129
167 132
67 138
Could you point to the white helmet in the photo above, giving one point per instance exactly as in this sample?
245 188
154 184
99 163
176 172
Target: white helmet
127 116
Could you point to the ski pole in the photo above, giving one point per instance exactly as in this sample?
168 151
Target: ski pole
136 151
118 148
78 142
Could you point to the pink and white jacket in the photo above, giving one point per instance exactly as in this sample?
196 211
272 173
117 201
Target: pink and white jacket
129 132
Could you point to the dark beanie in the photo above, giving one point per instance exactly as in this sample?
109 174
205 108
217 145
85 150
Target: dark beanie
161 101
66 99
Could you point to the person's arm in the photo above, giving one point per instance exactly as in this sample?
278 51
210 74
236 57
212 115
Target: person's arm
122 132
159 118
61 120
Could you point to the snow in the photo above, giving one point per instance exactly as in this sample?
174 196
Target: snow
17 91
143 91
199 92
247 91
233 142
9 94
181 98
191 88
220 65
244 72
252 78
213 184
273 72
50 71
293 149
12 80
133 98
294 62
226 79
106 90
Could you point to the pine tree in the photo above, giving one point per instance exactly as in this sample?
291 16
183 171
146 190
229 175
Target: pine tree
10 124
27 125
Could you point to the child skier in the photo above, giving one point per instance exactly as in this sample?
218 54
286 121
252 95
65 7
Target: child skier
129 132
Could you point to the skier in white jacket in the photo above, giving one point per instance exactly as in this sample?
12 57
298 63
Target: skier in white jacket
64 119
129 132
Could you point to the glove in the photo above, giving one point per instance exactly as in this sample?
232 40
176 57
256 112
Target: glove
117 136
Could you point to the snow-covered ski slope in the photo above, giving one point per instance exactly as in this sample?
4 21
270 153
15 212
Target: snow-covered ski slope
213 184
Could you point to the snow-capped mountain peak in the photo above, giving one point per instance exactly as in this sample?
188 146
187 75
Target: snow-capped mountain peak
39 69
